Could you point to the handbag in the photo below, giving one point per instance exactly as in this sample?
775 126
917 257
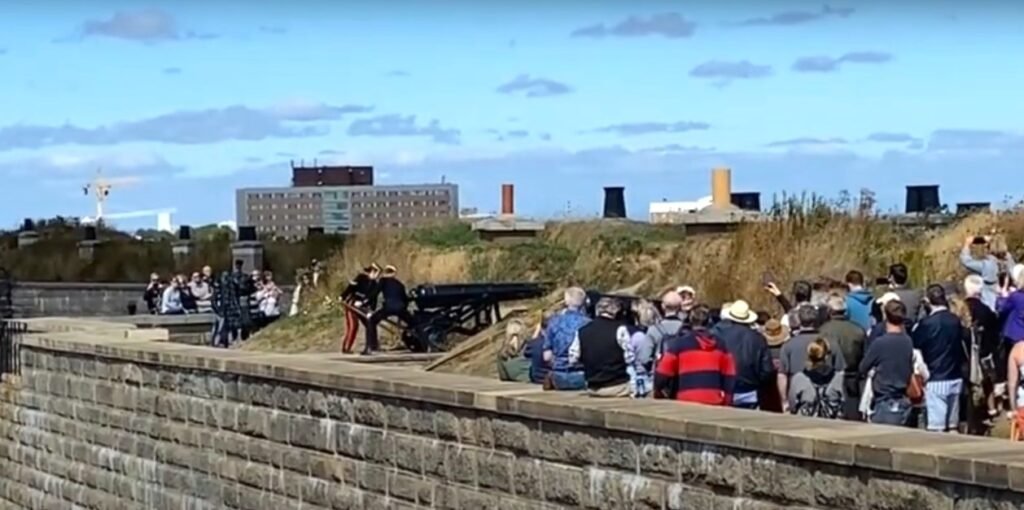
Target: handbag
915 389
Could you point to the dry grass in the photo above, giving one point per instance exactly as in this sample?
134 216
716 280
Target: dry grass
804 243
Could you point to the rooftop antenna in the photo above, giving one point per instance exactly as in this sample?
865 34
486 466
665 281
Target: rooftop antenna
442 179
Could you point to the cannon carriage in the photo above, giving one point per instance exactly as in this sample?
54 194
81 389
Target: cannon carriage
460 309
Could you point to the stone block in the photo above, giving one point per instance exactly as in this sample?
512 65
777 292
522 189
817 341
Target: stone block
776 480
494 470
460 464
312 433
563 485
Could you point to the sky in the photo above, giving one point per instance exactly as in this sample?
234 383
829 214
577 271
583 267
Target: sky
186 101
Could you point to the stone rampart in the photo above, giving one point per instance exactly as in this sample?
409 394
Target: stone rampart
109 420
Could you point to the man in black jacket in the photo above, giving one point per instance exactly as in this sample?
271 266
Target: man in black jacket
601 347
396 304
940 337
984 348
360 300
749 349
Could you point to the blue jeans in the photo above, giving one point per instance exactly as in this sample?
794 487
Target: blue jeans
746 400
942 399
891 411
221 336
568 381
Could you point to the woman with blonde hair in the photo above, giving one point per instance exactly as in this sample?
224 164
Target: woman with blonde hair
513 365
818 390
641 356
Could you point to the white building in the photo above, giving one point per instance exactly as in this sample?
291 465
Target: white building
670 212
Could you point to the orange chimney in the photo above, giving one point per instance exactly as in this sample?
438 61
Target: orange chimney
721 187
508 203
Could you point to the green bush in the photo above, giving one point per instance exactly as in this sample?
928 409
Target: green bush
445 236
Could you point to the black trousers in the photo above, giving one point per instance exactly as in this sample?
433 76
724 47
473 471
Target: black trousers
402 314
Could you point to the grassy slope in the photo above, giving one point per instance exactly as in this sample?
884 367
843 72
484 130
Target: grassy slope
608 255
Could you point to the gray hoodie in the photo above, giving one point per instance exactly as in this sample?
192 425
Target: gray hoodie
802 387
670 326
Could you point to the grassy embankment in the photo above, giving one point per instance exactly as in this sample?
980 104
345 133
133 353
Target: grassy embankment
800 241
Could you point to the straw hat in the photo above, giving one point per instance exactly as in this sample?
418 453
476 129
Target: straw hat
775 333
740 312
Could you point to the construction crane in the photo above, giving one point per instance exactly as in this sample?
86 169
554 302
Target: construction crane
163 217
100 187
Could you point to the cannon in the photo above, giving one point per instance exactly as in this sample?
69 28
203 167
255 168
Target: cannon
463 308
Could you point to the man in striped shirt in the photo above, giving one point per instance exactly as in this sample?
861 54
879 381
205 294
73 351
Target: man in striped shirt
696 367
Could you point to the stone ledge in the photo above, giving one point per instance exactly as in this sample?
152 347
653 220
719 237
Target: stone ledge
961 459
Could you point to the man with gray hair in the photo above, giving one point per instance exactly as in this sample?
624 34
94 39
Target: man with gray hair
559 335
987 353
848 338
671 324
603 348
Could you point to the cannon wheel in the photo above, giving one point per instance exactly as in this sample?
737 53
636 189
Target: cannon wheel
435 338
426 338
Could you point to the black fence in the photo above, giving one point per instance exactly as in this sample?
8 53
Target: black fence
10 340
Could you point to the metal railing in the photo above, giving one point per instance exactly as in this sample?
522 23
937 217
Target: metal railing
10 340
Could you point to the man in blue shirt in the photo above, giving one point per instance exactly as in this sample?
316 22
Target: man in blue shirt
559 336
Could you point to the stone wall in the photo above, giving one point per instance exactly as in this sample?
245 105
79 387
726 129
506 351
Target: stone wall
100 421
78 299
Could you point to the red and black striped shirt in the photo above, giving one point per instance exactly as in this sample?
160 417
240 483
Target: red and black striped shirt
696 367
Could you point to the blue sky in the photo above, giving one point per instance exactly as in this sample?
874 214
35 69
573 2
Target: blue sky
194 99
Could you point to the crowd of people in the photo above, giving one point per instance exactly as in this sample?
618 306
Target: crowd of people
945 358
243 303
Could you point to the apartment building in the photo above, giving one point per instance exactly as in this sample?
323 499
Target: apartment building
289 212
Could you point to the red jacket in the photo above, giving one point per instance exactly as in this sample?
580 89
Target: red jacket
695 367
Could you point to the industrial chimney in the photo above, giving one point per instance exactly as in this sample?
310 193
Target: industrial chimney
721 188
508 200
614 202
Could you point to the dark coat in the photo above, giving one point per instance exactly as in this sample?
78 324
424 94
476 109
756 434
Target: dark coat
749 350
225 301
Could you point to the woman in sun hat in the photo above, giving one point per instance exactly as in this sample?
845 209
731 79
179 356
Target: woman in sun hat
775 335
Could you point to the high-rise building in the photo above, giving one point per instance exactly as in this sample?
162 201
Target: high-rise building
289 212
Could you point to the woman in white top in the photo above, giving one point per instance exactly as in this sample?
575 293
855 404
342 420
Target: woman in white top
269 299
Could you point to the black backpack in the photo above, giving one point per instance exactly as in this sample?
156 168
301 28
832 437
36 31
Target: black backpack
822 406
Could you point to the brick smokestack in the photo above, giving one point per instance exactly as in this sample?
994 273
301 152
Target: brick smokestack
508 200
721 188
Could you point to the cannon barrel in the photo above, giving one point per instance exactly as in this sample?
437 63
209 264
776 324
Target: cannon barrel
435 296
